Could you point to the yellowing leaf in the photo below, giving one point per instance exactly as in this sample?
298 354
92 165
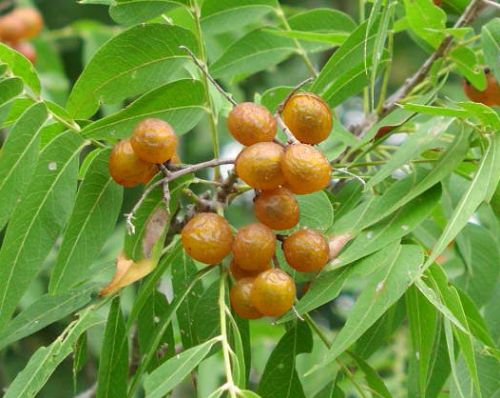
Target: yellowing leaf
127 272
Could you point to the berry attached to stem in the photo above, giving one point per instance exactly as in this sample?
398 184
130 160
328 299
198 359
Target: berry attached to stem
240 297
250 123
154 141
306 250
254 246
278 209
273 292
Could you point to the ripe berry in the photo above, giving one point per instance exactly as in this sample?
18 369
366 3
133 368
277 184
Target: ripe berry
154 140
31 20
250 123
27 50
490 96
273 292
207 237
438 2
306 250
308 117
253 247
240 273
278 209
259 165
126 168
240 297
306 169
12 28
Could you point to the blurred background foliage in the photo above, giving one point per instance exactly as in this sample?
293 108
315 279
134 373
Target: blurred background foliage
73 33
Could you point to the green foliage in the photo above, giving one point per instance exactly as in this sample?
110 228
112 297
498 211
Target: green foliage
407 306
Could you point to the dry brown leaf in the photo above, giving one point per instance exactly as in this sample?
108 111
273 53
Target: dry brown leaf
154 230
127 272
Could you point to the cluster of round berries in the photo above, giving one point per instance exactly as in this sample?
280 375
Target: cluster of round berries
135 161
276 172
20 25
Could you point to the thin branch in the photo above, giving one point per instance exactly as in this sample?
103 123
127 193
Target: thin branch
491 3
202 68
290 137
129 217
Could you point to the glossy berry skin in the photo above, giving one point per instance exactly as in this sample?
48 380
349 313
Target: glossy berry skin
126 168
12 28
306 169
306 250
239 273
27 50
207 238
31 19
308 117
240 297
278 209
154 141
490 96
259 165
273 292
253 247
250 123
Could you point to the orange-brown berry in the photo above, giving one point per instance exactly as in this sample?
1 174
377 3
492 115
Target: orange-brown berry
259 165
306 169
278 209
273 292
127 168
240 297
12 28
438 2
306 250
31 20
154 140
308 117
490 96
26 49
250 123
207 237
239 273
254 246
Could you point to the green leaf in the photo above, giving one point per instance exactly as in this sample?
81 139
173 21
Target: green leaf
373 380
256 51
387 284
44 311
205 322
181 103
219 15
38 219
280 378
399 224
113 362
486 116
131 12
45 360
316 211
468 65
18 158
20 67
490 39
94 216
484 182
436 110
10 88
426 20
171 373
152 64
427 136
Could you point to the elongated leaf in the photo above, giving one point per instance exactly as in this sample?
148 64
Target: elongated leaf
397 225
113 363
45 311
37 219
18 158
316 211
219 15
426 20
467 63
484 182
280 378
96 209
490 39
44 362
20 67
180 103
137 60
385 287
131 12
436 110
256 51
10 88
372 378
172 372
